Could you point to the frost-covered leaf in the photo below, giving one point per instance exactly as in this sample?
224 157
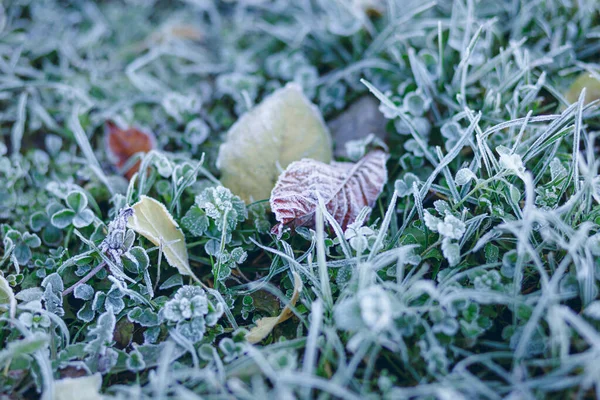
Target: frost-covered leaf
31 294
63 218
284 128
83 292
143 316
152 220
510 161
222 206
264 326
344 187
195 221
121 144
80 388
404 187
7 297
77 201
135 361
592 310
451 251
24 346
464 176
102 333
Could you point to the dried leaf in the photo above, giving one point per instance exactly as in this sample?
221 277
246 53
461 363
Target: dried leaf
152 220
124 143
344 187
81 388
7 297
264 326
285 127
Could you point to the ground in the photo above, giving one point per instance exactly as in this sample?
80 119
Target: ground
133 266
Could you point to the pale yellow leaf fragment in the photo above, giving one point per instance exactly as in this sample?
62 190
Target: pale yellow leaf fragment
152 220
592 85
264 326
7 297
81 388
284 128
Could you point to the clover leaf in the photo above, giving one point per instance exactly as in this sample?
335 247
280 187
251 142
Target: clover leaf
76 213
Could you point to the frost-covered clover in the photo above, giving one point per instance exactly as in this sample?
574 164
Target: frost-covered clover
360 238
76 213
35 319
222 206
370 310
21 244
192 311
450 228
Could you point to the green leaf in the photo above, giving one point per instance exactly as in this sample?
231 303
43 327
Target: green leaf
31 240
195 221
7 297
77 201
25 346
63 218
83 218
38 220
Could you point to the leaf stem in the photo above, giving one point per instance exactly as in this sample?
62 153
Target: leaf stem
86 278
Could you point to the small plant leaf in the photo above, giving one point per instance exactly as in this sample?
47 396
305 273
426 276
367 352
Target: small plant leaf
121 144
264 326
344 187
7 297
284 128
86 387
152 220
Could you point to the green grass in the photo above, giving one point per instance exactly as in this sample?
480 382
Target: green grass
480 273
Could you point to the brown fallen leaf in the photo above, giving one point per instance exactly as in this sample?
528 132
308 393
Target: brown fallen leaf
264 326
124 143
344 187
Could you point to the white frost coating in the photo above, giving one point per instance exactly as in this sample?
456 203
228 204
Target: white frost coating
344 187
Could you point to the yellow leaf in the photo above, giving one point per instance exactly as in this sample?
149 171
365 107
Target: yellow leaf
80 388
284 128
152 220
7 297
264 326
585 80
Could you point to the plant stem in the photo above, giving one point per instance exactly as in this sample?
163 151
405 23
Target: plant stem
86 278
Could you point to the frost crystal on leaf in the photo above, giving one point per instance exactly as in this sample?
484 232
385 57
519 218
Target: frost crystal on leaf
375 308
192 311
222 206
344 187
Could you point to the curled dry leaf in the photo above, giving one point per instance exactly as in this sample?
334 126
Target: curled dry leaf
152 220
124 143
285 127
264 326
344 187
